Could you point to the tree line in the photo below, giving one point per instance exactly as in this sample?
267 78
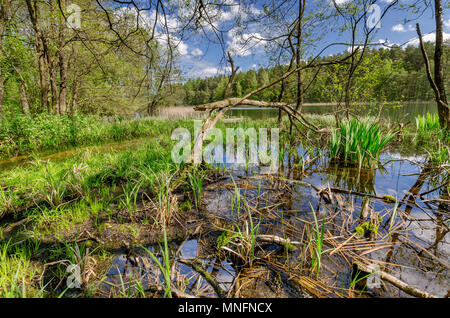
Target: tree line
387 75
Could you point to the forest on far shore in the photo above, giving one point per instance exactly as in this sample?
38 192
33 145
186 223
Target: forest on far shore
387 74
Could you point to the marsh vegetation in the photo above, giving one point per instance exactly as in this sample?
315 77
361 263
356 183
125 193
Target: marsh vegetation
93 204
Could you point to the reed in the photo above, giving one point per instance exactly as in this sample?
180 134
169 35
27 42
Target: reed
358 143
196 179
164 266
427 123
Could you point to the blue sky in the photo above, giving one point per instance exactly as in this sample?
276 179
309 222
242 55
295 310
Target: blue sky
199 57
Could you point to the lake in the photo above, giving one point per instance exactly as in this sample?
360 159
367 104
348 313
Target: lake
397 113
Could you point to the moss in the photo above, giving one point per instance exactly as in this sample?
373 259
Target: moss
185 206
289 247
223 239
388 198
366 229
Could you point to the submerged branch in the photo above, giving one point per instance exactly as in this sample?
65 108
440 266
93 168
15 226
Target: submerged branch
396 282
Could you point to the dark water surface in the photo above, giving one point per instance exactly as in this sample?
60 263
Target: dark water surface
396 113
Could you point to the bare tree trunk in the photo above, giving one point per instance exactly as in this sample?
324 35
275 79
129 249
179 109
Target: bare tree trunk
4 11
437 84
301 4
53 84
280 96
23 98
231 78
444 112
62 73
42 51
75 94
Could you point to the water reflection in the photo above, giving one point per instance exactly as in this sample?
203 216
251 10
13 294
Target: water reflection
397 113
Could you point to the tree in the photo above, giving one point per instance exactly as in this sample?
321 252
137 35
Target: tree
438 83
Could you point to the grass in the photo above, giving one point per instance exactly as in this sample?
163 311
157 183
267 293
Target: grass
358 143
165 265
427 124
21 134
60 197
196 179
318 245
16 274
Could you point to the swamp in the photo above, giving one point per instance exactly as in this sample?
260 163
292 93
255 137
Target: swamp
315 176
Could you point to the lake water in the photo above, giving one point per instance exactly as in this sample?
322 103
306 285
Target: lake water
397 113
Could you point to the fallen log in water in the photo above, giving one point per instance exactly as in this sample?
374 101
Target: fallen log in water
395 281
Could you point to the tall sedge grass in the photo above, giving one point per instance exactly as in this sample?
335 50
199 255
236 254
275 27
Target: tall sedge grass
317 247
164 266
358 142
427 123
16 274
21 134
196 179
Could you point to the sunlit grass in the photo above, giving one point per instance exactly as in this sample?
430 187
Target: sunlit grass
358 142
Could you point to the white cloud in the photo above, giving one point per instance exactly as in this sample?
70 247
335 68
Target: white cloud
430 37
243 44
447 23
182 47
401 28
197 52
208 71
398 28
164 30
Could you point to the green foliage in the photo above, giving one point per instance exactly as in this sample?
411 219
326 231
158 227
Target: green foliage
358 142
21 134
16 274
196 179
385 75
427 124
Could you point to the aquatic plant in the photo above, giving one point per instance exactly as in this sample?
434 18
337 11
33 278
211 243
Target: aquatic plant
318 245
358 142
242 238
164 266
130 195
427 123
196 179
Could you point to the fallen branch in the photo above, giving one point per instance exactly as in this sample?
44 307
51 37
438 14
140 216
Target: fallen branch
395 281
197 265
277 240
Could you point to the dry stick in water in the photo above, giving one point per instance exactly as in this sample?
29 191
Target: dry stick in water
396 282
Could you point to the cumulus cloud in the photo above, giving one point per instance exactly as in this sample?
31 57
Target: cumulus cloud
165 28
430 37
244 44
208 71
197 52
398 28
401 28
447 23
